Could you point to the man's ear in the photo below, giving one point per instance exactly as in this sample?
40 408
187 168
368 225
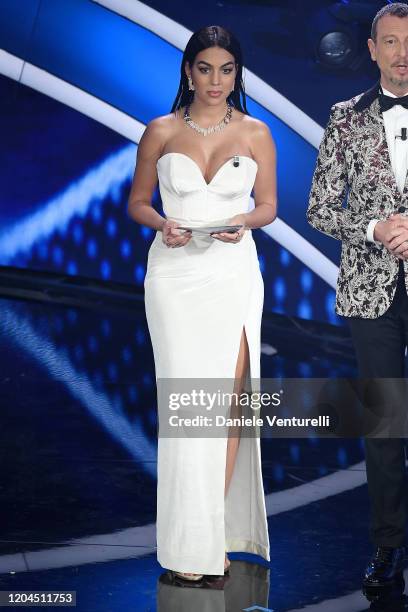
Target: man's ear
371 48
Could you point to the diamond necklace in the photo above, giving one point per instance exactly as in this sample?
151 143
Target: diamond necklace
213 128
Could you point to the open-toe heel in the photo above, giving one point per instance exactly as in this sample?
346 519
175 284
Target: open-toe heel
188 577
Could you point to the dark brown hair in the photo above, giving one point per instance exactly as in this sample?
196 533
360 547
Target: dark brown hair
397 9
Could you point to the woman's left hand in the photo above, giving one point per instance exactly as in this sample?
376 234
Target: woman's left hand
236 236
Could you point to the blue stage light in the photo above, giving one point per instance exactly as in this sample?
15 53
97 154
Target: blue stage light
125 249
294 450
306 280
305 310
43 250
116 402
79 352
305 369
147 380
72 268
140 336
92 248
278 472
111 227
96 213
139 274
342 457
97 378
57 255
330 302
93 344
285 257
127 354
72 316
78 233
279 289
105 269
146 232
132 393
112 371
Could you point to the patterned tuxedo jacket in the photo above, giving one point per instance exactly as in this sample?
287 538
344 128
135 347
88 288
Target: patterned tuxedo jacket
353 183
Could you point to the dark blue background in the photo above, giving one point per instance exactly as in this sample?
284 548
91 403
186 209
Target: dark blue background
48 146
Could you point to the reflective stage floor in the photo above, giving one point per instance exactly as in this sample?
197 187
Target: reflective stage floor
78 472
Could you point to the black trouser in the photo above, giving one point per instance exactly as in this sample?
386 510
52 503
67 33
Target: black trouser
380 346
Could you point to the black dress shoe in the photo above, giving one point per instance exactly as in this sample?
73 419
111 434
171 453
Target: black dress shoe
385 567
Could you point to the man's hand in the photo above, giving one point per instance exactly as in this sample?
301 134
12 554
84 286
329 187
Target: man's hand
393 234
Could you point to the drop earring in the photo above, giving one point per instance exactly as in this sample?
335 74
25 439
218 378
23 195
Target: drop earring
190 84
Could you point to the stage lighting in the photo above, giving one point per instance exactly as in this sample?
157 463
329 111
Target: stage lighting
340 32
337 49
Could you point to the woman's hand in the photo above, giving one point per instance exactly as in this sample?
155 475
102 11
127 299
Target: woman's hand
236 236
173 237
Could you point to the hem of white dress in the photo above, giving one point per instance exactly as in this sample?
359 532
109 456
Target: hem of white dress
249 547
170 562
176 564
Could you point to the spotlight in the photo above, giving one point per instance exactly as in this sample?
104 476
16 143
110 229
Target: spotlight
337 49
339 33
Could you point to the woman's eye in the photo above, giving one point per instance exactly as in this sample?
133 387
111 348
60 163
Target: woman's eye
224 71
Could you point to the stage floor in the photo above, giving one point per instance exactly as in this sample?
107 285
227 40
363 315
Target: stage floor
78 473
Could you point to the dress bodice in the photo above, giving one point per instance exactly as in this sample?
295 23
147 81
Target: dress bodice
187 196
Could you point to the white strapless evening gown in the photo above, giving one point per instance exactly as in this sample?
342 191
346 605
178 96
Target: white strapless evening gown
199 298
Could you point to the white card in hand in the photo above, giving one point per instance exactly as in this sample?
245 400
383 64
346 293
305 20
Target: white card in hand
229 229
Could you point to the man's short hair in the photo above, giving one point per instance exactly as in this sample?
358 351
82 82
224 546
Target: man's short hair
397 9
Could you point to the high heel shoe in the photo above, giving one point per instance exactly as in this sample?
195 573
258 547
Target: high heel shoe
188 577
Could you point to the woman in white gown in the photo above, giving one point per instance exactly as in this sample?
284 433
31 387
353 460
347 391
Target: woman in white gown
204 297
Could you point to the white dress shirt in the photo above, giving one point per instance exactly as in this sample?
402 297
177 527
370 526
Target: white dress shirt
394 119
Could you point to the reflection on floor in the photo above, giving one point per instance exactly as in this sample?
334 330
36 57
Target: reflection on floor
78 477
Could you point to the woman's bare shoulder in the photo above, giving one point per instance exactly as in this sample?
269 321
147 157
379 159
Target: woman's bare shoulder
163 124
257 135
158 132
254 126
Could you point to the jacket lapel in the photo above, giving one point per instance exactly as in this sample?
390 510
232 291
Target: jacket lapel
382 158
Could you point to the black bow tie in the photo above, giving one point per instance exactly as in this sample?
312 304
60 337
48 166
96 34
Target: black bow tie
386 102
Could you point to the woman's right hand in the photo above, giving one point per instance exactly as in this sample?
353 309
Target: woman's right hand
173 237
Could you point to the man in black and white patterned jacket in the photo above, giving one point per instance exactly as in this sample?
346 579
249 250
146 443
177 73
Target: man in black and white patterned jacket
363 159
